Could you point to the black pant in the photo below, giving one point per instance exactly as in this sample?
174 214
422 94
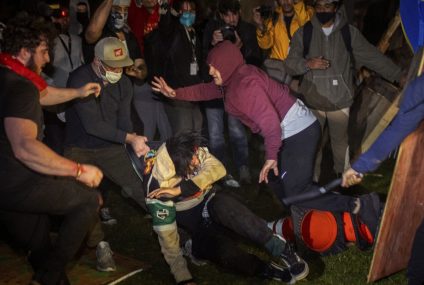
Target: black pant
416 262
24 214
213 238
116 165
296 168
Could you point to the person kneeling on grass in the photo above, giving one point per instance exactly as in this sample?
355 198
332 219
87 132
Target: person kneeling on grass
180 179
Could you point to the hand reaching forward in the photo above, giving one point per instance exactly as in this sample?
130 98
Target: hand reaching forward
160 85
88 89
165 192
138 144
90 175
268 165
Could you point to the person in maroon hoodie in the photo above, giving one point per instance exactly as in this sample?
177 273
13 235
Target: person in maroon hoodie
291 132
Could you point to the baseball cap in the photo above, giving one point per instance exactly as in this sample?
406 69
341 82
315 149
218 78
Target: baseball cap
121 3
112 52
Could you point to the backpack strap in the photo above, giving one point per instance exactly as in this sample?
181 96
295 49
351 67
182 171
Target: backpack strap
347 39
307 37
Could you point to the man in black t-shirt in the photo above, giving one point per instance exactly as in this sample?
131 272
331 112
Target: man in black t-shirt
31 173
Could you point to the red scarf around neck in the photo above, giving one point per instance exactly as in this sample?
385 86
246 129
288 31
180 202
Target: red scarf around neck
15 65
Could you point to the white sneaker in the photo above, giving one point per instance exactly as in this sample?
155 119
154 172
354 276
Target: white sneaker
104 256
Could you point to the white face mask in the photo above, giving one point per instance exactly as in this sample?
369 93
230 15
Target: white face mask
110 76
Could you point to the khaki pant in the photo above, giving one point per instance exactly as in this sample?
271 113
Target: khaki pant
336 124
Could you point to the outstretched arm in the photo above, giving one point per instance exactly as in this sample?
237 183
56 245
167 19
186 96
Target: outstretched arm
55 95
197 92
22 135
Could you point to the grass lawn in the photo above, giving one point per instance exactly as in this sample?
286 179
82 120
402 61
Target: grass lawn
134 236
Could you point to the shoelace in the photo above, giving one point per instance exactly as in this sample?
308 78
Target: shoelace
290 255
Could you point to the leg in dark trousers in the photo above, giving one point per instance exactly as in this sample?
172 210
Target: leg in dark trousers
296 167
30 232
48 196
227 211
211 243
416 262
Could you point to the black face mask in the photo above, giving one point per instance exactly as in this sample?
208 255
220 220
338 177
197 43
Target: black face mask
325 17
82 18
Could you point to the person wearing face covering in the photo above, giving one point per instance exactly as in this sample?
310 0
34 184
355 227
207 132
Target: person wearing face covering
328 73
290 130
181 62
110 20
98 129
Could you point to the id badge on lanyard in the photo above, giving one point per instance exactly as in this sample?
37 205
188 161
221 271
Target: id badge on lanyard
194 68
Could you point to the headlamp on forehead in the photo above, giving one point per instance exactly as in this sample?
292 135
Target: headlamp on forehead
58 12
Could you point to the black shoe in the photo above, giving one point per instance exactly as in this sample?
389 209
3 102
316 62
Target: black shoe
276 272
43 277
297 266
369 211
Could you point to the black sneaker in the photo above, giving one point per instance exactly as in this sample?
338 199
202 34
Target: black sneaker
297 266
276 272
370 211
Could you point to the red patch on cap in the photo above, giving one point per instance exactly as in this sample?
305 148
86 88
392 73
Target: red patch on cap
118 52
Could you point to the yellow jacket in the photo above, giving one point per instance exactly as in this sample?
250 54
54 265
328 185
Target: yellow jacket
275 36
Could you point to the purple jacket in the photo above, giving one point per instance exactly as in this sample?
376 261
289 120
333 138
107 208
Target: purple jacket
249 94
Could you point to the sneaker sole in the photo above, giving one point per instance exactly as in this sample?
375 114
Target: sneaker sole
108 269
302 275
110 222
293 279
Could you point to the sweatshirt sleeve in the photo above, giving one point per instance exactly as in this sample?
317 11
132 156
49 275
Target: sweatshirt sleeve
410 114
199 92
211 170
366 54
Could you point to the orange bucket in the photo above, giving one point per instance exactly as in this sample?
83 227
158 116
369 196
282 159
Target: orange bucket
319 230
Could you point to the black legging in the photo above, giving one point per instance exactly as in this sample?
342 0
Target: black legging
213 239
296 162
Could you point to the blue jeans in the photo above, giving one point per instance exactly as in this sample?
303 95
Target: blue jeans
237 133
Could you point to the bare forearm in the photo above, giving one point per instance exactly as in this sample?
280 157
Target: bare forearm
56 95
42 159
97 22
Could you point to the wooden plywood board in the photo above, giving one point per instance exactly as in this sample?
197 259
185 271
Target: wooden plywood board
404 209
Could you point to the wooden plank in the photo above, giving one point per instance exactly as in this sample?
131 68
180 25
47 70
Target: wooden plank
404 209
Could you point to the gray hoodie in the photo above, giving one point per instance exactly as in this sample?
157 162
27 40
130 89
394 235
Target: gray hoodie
332 89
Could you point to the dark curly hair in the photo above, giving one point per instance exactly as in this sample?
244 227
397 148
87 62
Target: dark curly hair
27 31
225 6
181 149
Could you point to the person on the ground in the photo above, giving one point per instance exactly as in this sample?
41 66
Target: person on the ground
181 191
